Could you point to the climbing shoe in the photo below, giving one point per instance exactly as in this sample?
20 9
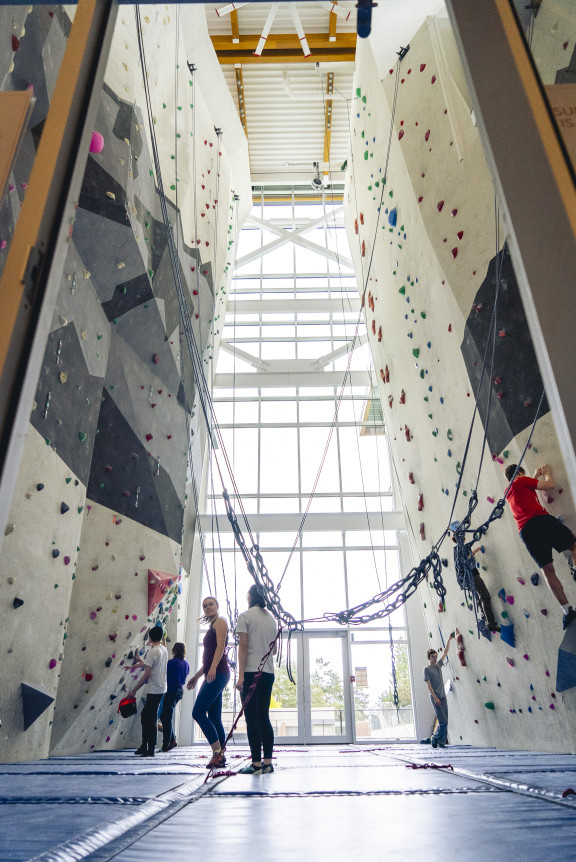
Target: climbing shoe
216 761
250 770
267 768
568 618
426 741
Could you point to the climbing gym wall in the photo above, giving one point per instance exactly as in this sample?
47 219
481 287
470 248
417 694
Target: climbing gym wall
94 548
442 306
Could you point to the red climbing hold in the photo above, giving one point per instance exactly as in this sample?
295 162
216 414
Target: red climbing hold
449 327
440 206
460 234
363 248
379 333
502 333
355 225
427 135
402 397
149 437
407 433
155 359
454 252
420 502
361 218
420 199
373 327
422 66
390 400
411 478
422 531
387 375
454 213
15 42
433 80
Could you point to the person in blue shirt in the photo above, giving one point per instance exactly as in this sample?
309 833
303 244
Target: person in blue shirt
176 672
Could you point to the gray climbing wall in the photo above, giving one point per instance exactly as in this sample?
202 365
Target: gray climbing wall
116 437
429 246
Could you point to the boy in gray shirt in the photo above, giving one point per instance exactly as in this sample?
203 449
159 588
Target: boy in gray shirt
435 683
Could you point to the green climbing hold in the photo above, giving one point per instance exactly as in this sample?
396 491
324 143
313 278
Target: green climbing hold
366 155
402 290
505 453
48 441
68 480
416 352
423 315
422 374
449 434
489 704
358 92
504 615
82 436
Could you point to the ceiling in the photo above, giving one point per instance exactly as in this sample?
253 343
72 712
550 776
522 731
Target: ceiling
290 118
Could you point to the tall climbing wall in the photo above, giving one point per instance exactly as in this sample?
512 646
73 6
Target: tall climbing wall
430 248
96 547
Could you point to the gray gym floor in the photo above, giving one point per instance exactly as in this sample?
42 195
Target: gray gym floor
322 802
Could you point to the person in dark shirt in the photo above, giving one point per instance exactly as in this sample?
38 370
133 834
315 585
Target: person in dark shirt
177 670
539 530
208 706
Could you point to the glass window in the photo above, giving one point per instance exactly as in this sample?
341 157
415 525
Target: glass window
312 445
278 411
324 582
278 460
242 448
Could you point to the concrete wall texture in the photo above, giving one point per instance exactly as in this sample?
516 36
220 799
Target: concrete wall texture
116 432
430 246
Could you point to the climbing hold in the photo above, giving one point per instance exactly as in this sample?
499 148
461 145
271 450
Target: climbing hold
510 661
440 206
411 478
82 436
96 143
393 217
422 531
402 398
535 578
17 603
34 703
521 581
52 663
461 657
510 600
155 359
489 704
544 613
420 502
502 594
64 508
55 552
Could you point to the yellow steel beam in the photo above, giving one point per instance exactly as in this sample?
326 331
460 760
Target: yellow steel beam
285 48
333 20
241 102
328 117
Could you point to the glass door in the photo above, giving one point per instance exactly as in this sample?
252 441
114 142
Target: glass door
326 688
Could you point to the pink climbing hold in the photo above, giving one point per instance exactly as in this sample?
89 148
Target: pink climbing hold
93 615
502 333
521 581
551 705
155 359
547 673
526 656
510 600
490 499
96 143
52 663
66 561
510 661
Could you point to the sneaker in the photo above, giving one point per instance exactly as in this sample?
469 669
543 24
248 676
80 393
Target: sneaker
216 761
441 745
173 744
426 741
140 751
251 770
267 768
494 628
568 618
434 742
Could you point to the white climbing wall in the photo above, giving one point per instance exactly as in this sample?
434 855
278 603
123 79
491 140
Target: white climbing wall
108 435
425 260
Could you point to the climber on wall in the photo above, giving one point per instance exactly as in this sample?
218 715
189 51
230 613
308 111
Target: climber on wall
539 530
469 578
435 683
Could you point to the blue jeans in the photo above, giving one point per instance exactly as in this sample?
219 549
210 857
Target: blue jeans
441 710
207 710
171 698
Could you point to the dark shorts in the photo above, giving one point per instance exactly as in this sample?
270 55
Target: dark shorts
544 532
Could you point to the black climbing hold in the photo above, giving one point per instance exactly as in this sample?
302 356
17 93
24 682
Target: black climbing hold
64 508
18 602
535 579
108 662
39 486
34 703
55 552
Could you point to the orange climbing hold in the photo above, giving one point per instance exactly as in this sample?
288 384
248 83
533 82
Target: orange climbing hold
380 333
361 218
363 249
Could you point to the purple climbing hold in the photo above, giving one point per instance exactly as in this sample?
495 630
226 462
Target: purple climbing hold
52 663
510 600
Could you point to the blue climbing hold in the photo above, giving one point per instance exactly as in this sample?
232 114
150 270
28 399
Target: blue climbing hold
507 634
393 217
535 579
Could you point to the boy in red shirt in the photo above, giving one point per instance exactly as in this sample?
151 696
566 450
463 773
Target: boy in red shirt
539 530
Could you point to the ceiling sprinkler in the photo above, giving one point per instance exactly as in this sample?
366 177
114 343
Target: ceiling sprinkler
316 181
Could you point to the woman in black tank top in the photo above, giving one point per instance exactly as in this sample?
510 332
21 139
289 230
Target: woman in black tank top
208 705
